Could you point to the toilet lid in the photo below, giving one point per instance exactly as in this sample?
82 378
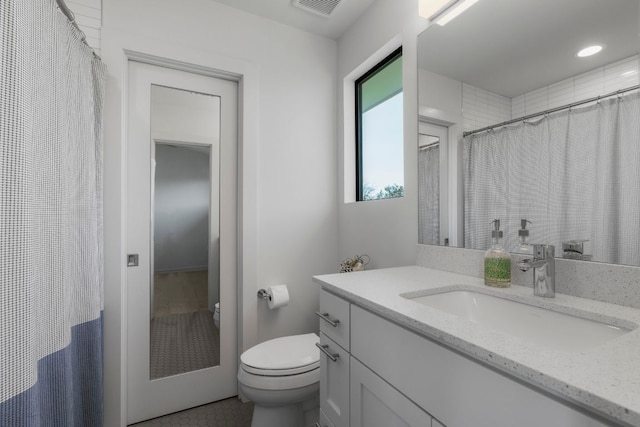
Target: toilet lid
283 356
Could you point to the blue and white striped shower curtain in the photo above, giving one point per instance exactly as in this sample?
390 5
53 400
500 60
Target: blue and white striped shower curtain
51 273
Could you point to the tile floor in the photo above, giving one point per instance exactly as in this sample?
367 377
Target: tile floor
225 413
186 292
183 343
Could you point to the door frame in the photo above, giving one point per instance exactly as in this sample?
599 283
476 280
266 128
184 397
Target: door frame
120 51
455 185
442 132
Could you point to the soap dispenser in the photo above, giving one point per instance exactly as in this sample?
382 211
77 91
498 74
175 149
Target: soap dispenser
497 261
523 247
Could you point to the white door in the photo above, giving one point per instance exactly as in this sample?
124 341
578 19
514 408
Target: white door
182 225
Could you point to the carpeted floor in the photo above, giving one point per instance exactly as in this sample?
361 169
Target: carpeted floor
183 343
225 413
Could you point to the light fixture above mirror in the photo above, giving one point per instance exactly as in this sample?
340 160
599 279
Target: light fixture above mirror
443 11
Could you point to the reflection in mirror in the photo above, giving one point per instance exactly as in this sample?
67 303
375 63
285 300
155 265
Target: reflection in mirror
568 161
185 285
432 146
429 196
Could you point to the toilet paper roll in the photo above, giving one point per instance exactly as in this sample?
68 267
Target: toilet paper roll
278 296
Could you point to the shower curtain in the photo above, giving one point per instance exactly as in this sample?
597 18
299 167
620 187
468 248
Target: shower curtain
429 195
574 174
51 278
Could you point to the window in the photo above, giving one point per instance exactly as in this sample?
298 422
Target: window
379 136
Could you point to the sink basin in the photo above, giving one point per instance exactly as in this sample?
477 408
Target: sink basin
548 328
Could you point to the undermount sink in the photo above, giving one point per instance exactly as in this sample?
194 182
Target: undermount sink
545 327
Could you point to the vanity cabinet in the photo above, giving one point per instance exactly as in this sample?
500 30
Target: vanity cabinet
335 329
374 403
397 377
324 421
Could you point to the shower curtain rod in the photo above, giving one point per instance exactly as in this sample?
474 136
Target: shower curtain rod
422 147
72 18
552 110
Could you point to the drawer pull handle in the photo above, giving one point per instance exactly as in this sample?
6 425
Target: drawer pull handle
326 318
324 348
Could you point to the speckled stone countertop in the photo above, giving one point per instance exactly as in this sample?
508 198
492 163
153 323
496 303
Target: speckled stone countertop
605 379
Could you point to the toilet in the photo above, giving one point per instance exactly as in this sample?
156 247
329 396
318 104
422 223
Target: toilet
216 315
282 378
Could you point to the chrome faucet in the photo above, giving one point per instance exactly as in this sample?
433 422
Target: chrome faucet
544 270
574 249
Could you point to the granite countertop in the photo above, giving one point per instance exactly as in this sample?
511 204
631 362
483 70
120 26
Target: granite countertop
605 378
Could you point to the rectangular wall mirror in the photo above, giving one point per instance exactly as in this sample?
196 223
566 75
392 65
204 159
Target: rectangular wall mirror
185 278
533 130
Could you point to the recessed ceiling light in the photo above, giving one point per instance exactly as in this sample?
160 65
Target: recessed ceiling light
588 51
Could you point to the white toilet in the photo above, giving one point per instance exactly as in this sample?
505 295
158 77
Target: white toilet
216 315
282 378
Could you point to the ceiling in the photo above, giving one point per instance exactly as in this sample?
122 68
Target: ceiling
511 47
334 26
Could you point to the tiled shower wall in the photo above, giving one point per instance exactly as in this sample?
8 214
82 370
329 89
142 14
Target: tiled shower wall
88 14
481 108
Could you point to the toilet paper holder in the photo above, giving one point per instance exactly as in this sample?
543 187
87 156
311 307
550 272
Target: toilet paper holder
263 294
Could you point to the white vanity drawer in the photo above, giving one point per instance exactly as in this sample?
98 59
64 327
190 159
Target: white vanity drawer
334 382
335 318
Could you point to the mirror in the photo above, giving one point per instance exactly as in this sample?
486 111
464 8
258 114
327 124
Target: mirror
502 60
185 269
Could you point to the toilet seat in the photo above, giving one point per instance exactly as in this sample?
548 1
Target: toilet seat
281 363
280 372
285 382
290 355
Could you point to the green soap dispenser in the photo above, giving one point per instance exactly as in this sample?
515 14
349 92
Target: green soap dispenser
497 261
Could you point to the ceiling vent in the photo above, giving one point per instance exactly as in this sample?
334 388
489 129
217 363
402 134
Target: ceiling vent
318 7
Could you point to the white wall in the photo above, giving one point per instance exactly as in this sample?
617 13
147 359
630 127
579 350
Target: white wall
437 94
386 230
182 190
291 123
179 115
481 108
88 16
181 210
600 81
